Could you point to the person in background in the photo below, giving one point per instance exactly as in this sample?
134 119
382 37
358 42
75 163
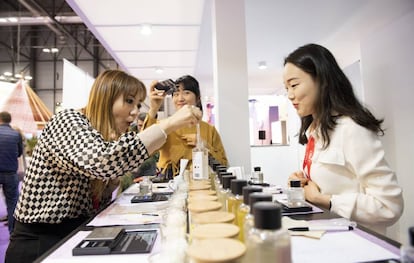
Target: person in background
11 147
76 149
181 142
149 167
344 169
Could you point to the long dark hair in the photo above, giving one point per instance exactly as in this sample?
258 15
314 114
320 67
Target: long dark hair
336 96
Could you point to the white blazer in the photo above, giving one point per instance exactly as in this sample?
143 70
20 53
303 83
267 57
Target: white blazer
354 171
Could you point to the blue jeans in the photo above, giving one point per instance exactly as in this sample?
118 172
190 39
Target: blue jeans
10 184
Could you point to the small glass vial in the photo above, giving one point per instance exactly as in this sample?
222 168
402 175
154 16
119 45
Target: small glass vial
145 186
407 252
257 175
236 197
224 192
254 198
296 194
267 242
244 208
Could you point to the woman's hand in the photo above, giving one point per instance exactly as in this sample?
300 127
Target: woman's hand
186 115
190 139
298 175
313 195
156 99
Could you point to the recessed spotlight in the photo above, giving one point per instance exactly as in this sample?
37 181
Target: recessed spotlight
146 29
46 50
262 65
54 50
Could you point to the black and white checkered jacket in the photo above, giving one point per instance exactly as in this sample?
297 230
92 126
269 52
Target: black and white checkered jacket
68 154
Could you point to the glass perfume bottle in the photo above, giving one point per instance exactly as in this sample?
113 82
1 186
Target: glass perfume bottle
225 190
200 159
267 242
235 198
244 208
295 194
249 218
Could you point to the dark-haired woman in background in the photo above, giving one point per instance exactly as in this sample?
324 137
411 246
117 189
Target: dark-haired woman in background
344 168
180 143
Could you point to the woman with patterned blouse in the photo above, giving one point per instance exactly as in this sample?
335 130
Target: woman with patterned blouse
77 148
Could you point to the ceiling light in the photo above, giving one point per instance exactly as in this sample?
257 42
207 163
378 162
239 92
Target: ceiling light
2 77
146 29
262 65
3 20
13 19
46 50
159 70
8 74
17 76
54 50
28 77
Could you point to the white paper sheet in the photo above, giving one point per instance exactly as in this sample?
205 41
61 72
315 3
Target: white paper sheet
338 247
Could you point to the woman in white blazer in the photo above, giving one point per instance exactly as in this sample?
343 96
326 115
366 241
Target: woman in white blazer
344 168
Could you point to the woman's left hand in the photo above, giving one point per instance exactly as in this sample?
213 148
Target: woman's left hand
313 194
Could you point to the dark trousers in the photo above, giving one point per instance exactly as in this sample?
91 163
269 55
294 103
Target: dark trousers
10 182
30 241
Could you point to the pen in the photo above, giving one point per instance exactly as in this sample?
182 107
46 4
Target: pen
148 214
322 228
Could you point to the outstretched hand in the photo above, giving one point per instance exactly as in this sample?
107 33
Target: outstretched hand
185 116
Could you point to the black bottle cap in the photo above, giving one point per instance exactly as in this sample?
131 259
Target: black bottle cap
214 165
257 197
220 176
221 168
247 190
411 235
267 215
257 169
226 180
295 183
237 186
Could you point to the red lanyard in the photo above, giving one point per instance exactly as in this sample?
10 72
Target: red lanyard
307 162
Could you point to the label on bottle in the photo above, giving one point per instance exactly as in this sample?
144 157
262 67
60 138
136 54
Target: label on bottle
200 165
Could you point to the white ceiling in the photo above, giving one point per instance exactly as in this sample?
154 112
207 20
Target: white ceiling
274 28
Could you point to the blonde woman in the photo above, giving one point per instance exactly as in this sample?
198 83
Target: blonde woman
80 148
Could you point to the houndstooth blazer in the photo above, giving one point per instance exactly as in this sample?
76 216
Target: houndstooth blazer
68 154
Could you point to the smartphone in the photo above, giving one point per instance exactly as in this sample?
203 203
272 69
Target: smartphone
167 85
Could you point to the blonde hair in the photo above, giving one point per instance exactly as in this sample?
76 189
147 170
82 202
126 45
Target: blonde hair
107 87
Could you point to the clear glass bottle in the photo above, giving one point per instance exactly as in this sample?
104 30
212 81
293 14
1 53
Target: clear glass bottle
267 242
254 198
257 175
236 197
407 251
200 159
244 208
145 186
296 194
225 190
